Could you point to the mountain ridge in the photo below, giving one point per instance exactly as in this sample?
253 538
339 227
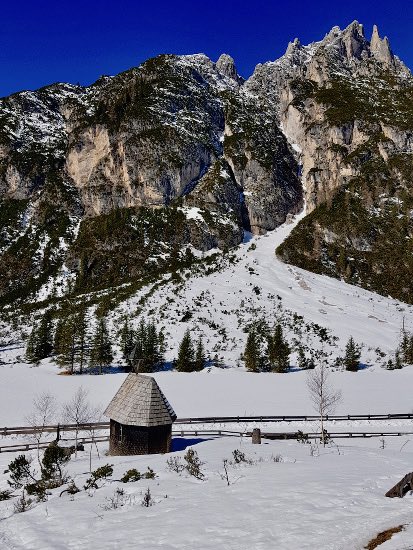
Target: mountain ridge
182 132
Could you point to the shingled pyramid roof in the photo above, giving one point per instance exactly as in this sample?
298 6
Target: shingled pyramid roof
140 402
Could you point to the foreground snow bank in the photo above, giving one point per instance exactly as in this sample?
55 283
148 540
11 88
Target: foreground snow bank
331 501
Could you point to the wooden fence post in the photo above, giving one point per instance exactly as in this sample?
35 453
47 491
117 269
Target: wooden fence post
256 436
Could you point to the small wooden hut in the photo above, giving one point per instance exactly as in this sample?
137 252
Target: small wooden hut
140 418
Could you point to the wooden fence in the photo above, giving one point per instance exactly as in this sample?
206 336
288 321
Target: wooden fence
93 426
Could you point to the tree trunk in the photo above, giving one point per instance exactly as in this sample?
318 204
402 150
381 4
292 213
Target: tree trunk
322 430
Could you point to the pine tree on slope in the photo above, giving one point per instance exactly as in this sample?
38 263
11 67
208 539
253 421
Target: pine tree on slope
82 338
252 355
352 356
278 350
127 337
65 343
185 360
101 352
45 336
199 355
40 343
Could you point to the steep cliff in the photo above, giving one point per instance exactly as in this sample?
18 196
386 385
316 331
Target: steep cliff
154 137
351 113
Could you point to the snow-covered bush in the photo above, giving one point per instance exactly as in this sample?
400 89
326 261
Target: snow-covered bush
193 464
147 499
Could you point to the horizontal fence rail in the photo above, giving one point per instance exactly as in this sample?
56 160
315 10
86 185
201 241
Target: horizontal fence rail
31 430
42 445
94 426
292 418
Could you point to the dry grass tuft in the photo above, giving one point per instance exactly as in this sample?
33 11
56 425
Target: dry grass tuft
382 537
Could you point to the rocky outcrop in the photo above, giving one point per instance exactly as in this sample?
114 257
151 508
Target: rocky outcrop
380 48
348 109
347 71
226 66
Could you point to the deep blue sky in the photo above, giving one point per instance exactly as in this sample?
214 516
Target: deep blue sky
43 41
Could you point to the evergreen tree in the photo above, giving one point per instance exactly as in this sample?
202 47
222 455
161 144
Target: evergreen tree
199 355
185 360
278 350
59 336
127 342
101 351
304 362
65 343
81 338
252 354
398 364
406 347
148 348
45 335
40 343
138 350
152 356
352 356
31 347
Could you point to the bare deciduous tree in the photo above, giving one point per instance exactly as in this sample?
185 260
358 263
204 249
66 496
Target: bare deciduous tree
42 415
322 394
79 411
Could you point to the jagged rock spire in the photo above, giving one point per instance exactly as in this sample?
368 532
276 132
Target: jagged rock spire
354 40
293 46
226 66
380 48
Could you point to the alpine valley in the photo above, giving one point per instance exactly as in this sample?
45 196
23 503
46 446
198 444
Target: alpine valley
249 245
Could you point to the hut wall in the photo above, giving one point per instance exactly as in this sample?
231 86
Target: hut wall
139 440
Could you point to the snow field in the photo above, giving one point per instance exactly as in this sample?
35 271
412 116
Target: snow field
218 392
331 501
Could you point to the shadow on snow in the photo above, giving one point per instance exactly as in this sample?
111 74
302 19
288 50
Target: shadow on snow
181 443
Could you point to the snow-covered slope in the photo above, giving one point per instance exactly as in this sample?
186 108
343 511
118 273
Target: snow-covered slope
255 284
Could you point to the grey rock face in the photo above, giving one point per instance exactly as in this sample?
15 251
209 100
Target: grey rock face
262 163
218 216
380 48
226 66
142 138
294 87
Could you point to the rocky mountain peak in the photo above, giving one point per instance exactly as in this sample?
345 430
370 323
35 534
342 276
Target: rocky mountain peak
354 41
226 66
293 47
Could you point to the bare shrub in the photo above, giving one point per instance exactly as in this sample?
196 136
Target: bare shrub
322 394
79 411
118 499
174 464
22 504
277 458
240 458
42 415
